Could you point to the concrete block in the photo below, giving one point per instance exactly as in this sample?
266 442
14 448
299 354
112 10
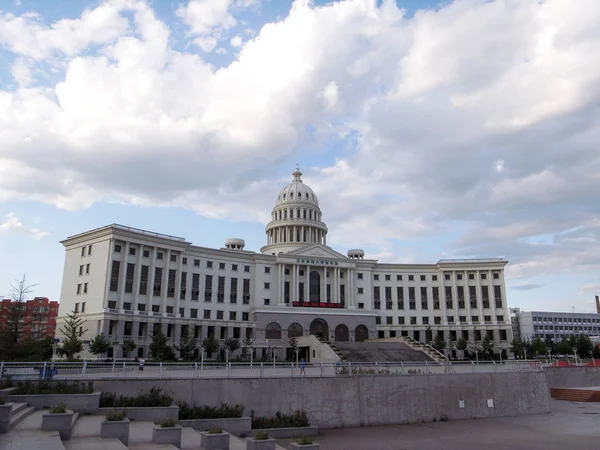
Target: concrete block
83 403
5 416
170 435
218 441
260 444
116 429
4 393
61 422
236 425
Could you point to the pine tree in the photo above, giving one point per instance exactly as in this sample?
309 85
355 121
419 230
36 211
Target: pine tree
99 345
159 344
210 345
187 344
72 332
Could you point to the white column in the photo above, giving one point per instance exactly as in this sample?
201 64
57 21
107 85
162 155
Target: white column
337 285
282 286
351 294
294 287
306 278
178 284
324 239
323 298
279 277
124 277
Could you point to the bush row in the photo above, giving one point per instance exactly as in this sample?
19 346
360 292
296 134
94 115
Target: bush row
155 397
295 419
52 387
189 412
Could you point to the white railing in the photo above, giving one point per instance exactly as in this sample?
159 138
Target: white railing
93 370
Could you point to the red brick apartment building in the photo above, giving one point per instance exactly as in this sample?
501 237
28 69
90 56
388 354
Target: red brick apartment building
39 319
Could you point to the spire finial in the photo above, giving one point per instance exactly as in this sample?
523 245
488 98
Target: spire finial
297 174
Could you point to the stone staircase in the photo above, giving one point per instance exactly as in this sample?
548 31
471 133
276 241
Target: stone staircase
19 412
425 348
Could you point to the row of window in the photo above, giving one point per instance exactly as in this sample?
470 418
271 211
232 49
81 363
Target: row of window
452 336
185 329
390 301
437 320
447 276
77 309
564 320
86 250
567 328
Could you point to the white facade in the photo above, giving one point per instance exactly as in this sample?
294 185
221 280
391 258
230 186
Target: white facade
556 325
125 281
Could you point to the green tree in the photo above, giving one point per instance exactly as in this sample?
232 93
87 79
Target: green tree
232 344
538 347
100 345
187 345
517 347
159 344
584 346
128 346
564 347
247 343
210 345
11 333
550 345
461 344
72 332
439 343
428 335
487 347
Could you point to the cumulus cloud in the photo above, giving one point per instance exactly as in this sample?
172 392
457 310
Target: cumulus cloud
12 224
478 117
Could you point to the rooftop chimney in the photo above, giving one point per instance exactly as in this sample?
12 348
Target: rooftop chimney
597 304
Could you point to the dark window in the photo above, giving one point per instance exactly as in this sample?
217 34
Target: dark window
221 266
360 290
423 277
183 287
129 278
246 268
159 255
114 276
234 267
208 288
171 283
359 275
193 313
144 280
146 253
433 277
117 248
173 258
158 272
232 315
221 289
195 286
207 313
424 298
376 277
376 297
246 291
184 261
233 294
209 264
400 295
436 297
196 263
388 298
412 301
219 315
388 277
245 316
132 251
267 270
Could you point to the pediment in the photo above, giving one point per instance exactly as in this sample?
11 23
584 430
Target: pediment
316 251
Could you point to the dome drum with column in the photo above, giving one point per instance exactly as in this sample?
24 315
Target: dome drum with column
296 219
235 244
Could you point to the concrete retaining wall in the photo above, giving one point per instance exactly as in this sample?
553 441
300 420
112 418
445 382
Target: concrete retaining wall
145 414
236 425
572 376
82 403
364 401
288 433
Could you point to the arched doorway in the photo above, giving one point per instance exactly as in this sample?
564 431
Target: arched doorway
273 331
319 328
295 330
361 333
314 286
342 334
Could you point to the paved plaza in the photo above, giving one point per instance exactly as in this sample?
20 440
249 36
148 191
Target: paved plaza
573 426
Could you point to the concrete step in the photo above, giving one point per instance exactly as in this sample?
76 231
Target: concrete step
19 413
94 443
32 439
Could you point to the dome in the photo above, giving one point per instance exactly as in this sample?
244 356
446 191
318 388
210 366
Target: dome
297 192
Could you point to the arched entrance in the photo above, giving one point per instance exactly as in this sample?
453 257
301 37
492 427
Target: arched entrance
273 331
361 333
295 330
342 334
314 287
319 328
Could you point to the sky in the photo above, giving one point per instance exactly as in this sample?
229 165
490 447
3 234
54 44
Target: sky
427 129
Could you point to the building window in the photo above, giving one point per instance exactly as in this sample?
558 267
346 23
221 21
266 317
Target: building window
246 268
266 301
425 320
89 250
114 276
388 277
413 320
173 258
144 280
82 251
376 277
159 255
207 313
360 290
267 270
146 253
129 278
221 266
459 276
246 291
245 316
81 270
446 276
155 308
433 277
196 263
389 320
437 320
471 276
76 310
484 276
232 315
171 283
234 267
267 285
208 281
219 315
132 251
85 288
193 313
398 277
209 264
377 320
361 306
411 278
423 277
359 275
112 305
233 291
184 261
183 286
496 275
158 272
79 289
221 289
87 269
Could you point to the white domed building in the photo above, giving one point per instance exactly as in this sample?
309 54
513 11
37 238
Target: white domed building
126 282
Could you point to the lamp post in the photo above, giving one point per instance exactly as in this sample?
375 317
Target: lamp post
201 357
297 350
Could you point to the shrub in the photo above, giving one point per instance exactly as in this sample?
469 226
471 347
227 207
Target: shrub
155 397
225 411
115 416
6 382
169 423
305 440
295 419
215 430
58 409
261 435
53 387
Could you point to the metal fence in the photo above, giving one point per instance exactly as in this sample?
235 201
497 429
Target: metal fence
88 370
